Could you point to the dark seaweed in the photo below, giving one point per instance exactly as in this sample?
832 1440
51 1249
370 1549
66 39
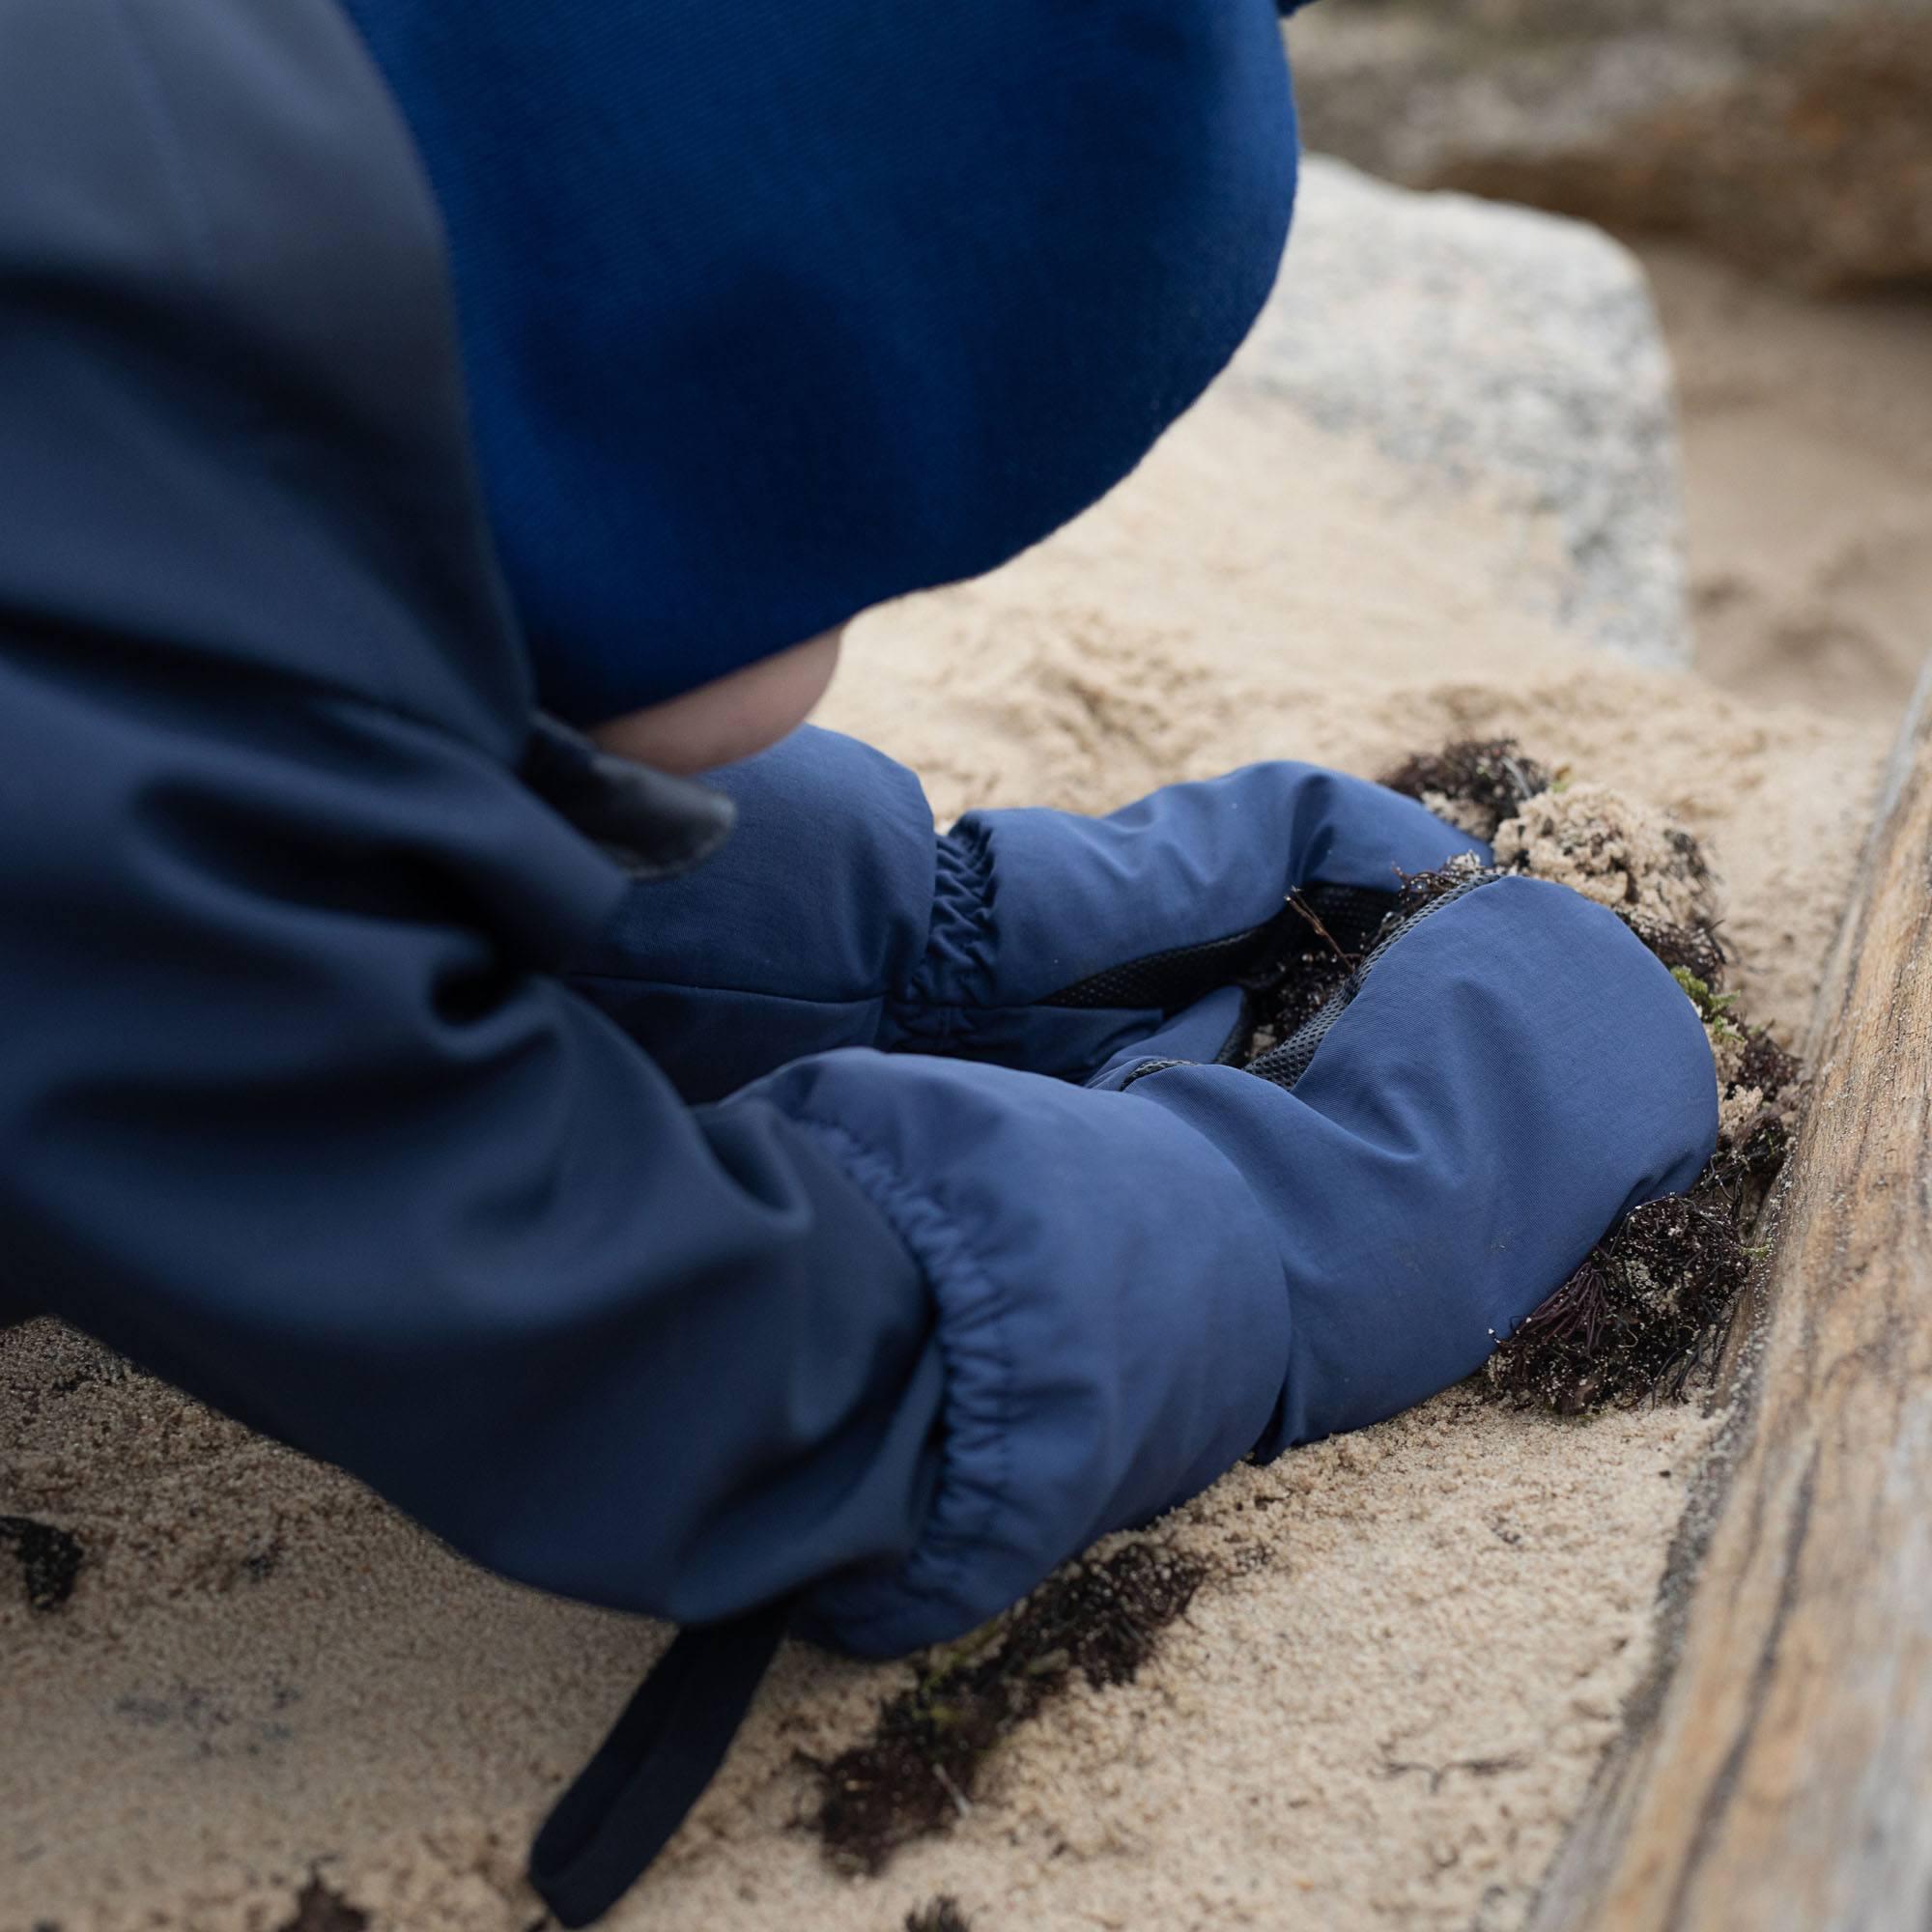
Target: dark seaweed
916 1772
320 1909
51 1559
939 1915
1491 776
1695 950
1634 1321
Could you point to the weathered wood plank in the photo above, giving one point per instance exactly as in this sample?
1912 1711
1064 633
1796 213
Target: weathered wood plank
1778 1778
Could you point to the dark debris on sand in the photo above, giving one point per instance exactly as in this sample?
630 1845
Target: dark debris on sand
939 1915
916 1773
321 1909
1490 776
1634 1320
1691 949
49 1558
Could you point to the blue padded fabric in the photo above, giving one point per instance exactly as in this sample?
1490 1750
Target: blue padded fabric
835 917
752 295
1515 1074
312 1117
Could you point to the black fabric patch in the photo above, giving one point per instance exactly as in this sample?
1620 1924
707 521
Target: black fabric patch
653 824
1286 1063
1175 978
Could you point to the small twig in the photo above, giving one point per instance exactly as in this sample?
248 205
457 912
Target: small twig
959 1798
1314 918
1519 780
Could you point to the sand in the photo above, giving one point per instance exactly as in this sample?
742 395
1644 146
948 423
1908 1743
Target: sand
1808 440
1389 1698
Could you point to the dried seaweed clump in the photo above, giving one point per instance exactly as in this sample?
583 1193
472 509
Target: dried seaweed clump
1475 783
1758 1085
1302 981
917 1772
1423 889
320 1909
1653 1296
1695 950
938 1914
1651 872
1634 1320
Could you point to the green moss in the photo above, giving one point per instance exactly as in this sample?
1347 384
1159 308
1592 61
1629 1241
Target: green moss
1714 1008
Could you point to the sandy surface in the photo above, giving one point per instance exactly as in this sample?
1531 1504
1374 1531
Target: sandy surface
1808 445
1388 1699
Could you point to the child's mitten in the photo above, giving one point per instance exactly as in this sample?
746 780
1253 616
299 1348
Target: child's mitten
834 915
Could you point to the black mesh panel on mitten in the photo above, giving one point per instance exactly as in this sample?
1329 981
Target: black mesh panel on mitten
1352 916
1286 1063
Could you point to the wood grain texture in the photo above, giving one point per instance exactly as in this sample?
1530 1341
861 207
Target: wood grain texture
1778 1774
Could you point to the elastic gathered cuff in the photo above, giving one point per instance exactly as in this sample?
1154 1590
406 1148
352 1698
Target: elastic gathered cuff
886 1613
955 975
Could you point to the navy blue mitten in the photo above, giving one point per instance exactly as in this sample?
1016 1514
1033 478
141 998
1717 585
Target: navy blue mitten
1141 1280
1044 940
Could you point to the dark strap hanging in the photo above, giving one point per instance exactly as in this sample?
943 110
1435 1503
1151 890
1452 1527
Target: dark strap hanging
655 826
655 1765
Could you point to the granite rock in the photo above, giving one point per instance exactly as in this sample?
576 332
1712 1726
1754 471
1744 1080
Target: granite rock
1794 137
1500 351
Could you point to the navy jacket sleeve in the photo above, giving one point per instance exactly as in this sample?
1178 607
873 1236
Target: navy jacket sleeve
305 1117
303 1124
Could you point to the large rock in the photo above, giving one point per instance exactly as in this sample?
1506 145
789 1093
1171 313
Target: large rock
1794 136
1500 351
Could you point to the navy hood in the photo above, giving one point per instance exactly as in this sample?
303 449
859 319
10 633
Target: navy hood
771 311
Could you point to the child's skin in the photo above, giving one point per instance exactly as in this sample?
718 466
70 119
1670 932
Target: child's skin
731 716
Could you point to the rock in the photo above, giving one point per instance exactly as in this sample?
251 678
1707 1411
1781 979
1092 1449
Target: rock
1497 351
1793 135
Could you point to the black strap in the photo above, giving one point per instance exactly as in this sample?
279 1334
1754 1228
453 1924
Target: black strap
655 1765
655 826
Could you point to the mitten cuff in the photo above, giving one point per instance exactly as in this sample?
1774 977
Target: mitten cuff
954 974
